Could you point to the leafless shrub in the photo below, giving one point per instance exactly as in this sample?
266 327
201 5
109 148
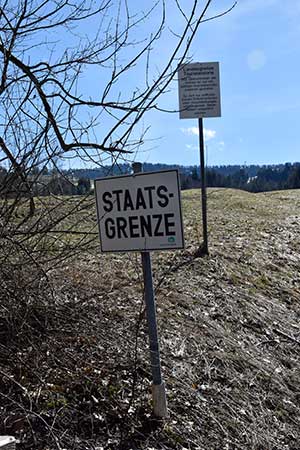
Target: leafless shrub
49 117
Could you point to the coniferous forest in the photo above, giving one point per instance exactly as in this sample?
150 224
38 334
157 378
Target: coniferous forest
252 178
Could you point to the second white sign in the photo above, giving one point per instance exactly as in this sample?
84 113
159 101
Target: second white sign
199 90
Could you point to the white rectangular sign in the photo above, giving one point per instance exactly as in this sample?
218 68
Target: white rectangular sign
199 90
140 212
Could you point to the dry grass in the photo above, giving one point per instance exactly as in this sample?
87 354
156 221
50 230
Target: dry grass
74 360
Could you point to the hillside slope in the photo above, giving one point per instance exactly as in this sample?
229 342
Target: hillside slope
229 333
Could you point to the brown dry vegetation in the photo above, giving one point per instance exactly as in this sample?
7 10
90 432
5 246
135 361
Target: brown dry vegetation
74 367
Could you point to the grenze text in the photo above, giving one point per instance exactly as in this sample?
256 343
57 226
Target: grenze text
137 226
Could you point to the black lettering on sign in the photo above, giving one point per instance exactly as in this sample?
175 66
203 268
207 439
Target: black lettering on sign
121 227
128 204
149 189
155 225
133 226
164 202
117 194
108 204
169 224
110 229
158 218
140 201
146 225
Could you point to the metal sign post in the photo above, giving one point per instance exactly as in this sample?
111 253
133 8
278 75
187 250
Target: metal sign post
158 387
203 250
142 212
199 96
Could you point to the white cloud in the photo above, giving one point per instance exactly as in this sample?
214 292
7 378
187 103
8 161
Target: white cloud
256 59
194 131
191 131
191 147
209 134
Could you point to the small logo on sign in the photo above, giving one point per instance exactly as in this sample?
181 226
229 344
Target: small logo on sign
171 239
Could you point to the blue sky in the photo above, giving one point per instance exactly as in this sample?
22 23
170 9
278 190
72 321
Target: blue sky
258 48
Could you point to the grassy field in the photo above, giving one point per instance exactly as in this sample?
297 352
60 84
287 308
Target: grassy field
75 372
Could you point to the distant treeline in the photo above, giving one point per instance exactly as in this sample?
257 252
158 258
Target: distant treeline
30 183
253 178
